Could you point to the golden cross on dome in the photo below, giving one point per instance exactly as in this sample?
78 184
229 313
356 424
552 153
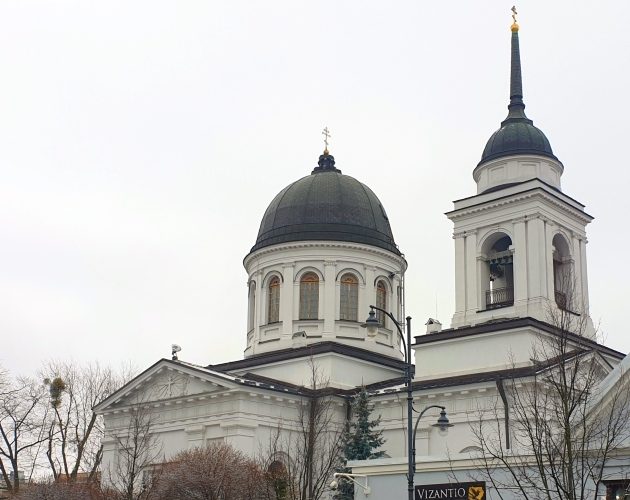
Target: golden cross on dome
326 134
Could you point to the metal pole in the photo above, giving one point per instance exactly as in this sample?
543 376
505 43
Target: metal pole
411 466
410 444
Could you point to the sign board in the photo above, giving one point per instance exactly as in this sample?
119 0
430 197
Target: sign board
452 491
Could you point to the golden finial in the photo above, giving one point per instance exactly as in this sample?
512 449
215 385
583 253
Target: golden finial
326 134
514 26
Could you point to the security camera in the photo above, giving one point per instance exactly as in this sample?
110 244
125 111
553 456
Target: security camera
334 484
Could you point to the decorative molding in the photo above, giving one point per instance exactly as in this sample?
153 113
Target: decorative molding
533 194
400 259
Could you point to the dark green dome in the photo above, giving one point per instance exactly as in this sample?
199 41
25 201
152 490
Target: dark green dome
329 206
517 135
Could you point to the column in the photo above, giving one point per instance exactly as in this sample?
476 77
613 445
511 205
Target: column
577 275
551 286
472 287
460 273
520 261
537 271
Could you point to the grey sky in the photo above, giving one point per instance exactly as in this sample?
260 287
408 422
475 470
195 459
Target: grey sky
140 143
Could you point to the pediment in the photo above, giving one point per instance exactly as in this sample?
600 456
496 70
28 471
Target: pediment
166 381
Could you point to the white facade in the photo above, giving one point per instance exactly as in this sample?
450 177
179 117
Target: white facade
191 406
518 251
520 255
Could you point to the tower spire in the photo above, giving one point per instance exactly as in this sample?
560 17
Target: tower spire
517 134
517 106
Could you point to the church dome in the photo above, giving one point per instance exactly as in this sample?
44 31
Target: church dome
515 137
329 206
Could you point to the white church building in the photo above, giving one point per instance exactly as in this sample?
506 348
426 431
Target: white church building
325 252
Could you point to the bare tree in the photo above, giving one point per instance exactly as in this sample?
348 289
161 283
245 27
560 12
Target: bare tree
552 435
309 453
139 455
75 432
22 427
51 490
215 472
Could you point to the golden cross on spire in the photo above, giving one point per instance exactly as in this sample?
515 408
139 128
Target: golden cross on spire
514 14
326 134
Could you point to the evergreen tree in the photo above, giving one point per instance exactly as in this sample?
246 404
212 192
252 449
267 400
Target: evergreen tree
361 440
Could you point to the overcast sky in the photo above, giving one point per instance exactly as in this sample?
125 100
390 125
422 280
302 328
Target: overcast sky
141 141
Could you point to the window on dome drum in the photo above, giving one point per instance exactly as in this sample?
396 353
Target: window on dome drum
381 302
349 298
273 308
309 296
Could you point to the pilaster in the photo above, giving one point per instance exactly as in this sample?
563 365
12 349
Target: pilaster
536 267
520 262
472 287
460 273
195 435
287 294
584 274
551 286
368 297
259 310
329 297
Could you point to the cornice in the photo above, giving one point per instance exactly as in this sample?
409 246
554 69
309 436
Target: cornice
531 194
324 244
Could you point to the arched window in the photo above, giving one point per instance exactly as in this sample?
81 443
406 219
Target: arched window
273 308
562 279
498 272
349 298
381 301
309 296
278 478
252 305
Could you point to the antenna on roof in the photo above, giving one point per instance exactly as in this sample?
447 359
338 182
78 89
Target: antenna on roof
174 350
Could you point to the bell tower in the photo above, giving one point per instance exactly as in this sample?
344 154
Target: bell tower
520 242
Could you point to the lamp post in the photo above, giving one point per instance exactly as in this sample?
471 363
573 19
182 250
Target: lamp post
372 324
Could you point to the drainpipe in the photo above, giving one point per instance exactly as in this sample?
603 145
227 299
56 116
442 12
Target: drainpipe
506 411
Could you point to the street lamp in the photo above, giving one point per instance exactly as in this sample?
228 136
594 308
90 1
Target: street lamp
372 325
351 477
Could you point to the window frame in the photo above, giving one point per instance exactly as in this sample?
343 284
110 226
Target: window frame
309 296
273 300
349 297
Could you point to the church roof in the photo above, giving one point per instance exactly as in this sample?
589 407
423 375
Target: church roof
329 206
517 134
308 352
513 324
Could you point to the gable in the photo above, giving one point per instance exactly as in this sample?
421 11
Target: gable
166 381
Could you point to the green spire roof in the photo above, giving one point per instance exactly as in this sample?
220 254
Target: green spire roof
517 134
